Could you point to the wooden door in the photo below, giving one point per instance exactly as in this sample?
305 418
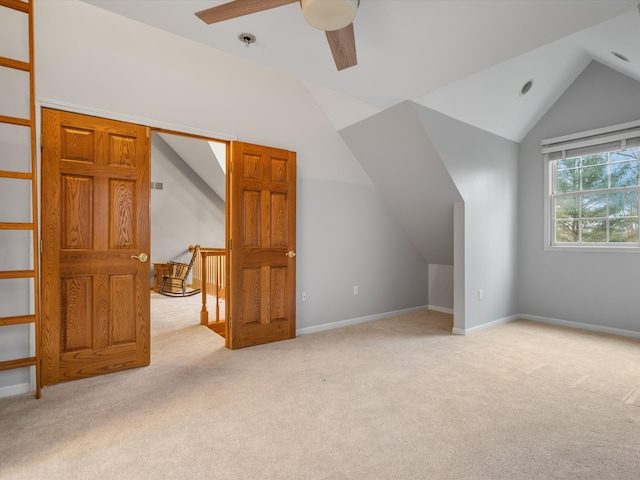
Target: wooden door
95 221
261 216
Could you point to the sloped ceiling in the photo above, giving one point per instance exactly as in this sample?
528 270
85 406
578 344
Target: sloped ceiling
467 59
200 157
420 193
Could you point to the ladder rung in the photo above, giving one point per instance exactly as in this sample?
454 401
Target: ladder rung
18 363
25 122
16 5
18 175
16 64
11 274
16 226
17 320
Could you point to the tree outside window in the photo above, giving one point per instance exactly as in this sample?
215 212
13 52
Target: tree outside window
595 198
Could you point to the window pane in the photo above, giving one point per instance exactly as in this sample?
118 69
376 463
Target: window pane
624 155
594 206
567 207
623 204
623 229
568 163
593 230
568 181
585 210
567 231
624 174
595 178
598 159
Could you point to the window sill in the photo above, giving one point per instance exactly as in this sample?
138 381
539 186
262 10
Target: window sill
591 249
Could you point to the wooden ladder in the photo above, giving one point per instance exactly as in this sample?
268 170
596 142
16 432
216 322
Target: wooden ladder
19 297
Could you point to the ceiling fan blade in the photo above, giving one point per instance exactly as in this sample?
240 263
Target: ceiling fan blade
343 47
238 8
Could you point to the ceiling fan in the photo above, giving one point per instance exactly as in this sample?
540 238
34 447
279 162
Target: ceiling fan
335 17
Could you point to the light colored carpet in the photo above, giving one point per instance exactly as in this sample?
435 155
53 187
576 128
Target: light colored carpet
399 398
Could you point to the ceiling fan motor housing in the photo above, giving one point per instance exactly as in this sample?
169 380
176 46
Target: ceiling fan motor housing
329 15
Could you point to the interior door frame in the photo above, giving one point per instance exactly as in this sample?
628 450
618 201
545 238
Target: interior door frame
155 126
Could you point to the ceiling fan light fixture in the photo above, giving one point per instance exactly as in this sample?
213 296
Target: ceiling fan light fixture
329 15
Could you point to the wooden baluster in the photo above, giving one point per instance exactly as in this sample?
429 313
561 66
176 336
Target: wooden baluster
204 314
217 258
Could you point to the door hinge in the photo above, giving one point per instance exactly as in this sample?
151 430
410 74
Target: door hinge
41 243
41 140
230 166
230 243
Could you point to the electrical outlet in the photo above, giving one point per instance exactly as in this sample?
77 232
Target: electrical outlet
356 289
480 294
304 296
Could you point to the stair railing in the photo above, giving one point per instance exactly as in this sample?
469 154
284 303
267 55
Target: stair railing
209 274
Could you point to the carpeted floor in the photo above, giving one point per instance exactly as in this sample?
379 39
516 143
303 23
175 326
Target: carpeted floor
399 398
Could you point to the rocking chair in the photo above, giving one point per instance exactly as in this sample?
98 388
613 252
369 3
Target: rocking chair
175 284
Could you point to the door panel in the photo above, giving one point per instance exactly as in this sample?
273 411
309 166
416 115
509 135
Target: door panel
261 211
95 204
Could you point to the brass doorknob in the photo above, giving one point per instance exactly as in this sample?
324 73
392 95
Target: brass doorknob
290 254
143 257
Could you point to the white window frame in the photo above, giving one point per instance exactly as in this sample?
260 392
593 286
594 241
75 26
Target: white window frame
598 140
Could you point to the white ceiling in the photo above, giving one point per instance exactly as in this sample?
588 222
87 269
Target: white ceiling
466 58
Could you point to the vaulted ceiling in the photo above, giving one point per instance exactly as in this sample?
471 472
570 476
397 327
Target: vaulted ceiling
468 59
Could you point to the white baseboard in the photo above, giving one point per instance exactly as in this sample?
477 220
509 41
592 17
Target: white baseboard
581 326
17 389
550 321
477 328
355 321
435 308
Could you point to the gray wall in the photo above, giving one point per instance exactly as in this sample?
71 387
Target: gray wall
589 288
348 237
424 162
441 283
484 168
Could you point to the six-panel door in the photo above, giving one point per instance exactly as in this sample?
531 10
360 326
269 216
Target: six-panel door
95 220
261 212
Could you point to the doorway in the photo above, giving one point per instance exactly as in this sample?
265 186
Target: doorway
188 208
187 195
96 234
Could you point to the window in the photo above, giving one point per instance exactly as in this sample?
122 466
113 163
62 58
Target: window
593 186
